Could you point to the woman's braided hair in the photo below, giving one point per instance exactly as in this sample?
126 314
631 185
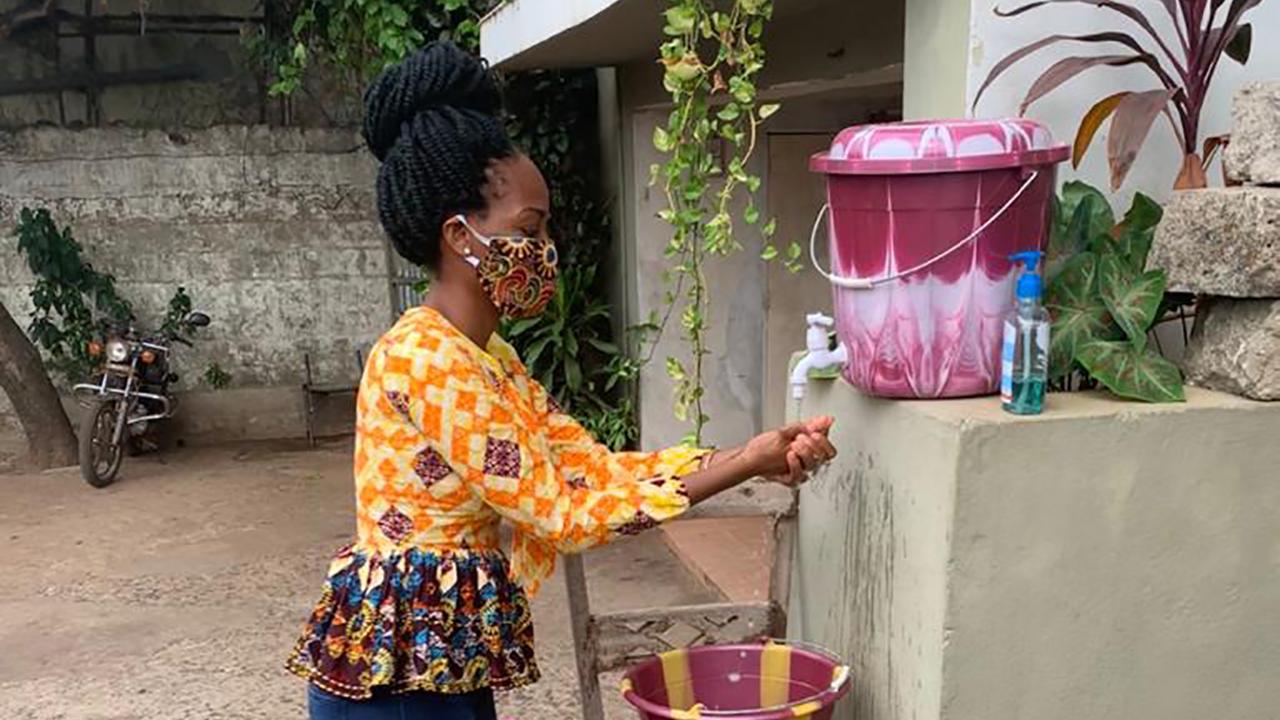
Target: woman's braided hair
435 122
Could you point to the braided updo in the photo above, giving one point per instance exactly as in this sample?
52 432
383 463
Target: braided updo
434 121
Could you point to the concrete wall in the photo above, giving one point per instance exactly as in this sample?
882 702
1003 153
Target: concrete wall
230 88
936 36
1107 560
271 230
831 67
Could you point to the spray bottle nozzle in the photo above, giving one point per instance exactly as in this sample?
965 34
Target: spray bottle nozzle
1030 258
1029 285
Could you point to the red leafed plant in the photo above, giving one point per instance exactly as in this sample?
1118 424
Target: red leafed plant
1183 66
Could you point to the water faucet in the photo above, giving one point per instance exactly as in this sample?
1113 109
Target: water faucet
818 355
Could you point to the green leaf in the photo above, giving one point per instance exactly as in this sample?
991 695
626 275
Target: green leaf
1143 214
603 346
572 373
793 263
1081 213
1131 299
1130 372
675 370
662 140
1135 233
520 327
769 253
1241 44
535 350
729 112
768 110
770 228
682 18
1079 314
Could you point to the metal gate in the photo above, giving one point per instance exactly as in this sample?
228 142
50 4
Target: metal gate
408 283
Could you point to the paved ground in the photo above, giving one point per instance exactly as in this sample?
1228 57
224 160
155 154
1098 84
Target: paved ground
176 593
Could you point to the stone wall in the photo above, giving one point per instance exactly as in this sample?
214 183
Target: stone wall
1224 245
271 230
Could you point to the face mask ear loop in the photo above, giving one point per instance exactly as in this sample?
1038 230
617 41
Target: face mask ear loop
467 256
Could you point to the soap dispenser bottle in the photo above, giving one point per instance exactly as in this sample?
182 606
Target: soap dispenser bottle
1024 367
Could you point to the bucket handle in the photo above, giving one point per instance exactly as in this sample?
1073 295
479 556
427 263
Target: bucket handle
871 283
839 678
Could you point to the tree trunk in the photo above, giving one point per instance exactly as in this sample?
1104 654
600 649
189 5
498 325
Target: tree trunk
34 400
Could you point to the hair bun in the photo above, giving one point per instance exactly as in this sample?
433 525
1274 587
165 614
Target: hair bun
438 76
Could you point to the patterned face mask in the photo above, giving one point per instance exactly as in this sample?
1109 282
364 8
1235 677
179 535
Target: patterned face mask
518 273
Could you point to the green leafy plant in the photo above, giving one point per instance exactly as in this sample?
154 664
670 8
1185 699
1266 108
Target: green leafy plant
1183 67
1104 301
72 299
217 378
711 58
69 296
176 314
362 37
565 349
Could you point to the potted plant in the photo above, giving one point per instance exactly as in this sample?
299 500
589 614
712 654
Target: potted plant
1104 301
1183 67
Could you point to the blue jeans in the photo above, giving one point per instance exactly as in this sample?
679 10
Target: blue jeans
408 706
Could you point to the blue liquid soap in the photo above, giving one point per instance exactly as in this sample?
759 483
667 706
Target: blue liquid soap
1024 355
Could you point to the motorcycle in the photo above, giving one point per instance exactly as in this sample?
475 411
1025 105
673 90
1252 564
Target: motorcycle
131 393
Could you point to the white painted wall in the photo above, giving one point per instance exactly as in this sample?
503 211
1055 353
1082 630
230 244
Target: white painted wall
992 37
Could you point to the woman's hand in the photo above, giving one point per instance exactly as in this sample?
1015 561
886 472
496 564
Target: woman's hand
786 455
789 454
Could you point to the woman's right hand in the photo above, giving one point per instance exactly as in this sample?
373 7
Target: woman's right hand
789 454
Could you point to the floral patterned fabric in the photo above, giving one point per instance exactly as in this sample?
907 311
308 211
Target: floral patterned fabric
451 439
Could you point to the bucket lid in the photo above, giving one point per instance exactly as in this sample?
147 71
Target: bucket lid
933 146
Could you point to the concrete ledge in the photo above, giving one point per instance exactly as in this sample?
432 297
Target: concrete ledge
1106 560
731 556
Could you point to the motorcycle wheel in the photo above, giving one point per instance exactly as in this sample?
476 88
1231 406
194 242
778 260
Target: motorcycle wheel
100 451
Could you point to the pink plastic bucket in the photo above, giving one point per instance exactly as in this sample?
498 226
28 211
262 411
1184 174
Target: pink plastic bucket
769 681
924 217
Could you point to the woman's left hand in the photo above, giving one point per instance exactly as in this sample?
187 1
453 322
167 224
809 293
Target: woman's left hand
789 454
809 451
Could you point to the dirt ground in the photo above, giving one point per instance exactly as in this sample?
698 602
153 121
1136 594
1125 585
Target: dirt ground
177 593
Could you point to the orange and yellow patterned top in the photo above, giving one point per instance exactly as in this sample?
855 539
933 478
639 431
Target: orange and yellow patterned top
451 439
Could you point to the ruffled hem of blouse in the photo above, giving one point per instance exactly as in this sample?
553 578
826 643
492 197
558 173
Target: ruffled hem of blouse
447 622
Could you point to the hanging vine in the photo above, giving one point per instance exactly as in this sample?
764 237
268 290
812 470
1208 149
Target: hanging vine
712 56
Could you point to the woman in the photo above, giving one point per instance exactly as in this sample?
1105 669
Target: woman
423 616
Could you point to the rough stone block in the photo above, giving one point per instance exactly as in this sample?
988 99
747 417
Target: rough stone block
1254 153
1221 241
1235 348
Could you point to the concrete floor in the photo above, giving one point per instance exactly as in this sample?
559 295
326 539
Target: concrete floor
177 592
